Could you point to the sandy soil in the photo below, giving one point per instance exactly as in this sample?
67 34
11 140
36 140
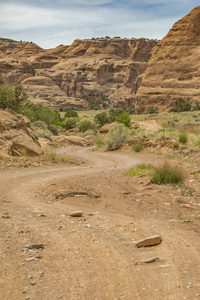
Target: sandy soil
95 256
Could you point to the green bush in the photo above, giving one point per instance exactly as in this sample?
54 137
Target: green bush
101 119
69 123
152 110
43 133
175 145
85 125
71 114
183 106
53 129
168 173
39 112
95 106
40 124
124 118
117 136
137 145
140 170
183 137
12 97
99 143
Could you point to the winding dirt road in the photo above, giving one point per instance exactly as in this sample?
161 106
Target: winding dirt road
94 256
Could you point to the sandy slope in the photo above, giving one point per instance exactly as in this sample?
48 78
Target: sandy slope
94 257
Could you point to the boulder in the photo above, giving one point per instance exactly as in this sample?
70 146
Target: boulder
71 140
105 128
16 139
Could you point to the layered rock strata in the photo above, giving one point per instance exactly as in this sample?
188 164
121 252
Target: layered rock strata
173 72
87 72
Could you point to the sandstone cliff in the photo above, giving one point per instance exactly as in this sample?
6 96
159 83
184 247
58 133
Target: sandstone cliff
87 72
173 71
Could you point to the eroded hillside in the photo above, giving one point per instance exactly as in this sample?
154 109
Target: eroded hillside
173 72
88 72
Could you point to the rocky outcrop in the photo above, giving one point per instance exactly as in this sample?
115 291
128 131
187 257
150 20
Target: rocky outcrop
86 73
16 139
173 72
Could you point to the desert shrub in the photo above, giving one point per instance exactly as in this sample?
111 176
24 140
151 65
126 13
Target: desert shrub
183 106
152 110
117 136
140 170
196 106
85 125
69 123
39 112
40 124
124 118
71 114
137 145
43 133
175 145
95 106
198 143
183 137
101 119
53 129
99 143
12 97
168 173
113 113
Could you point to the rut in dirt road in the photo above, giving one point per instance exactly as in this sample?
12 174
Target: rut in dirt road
93 256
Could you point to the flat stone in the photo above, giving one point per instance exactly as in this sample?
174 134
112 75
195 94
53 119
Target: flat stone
149 241
34 246
77 214
150 260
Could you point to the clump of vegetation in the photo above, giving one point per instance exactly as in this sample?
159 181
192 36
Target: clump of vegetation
71 114
124 118
152 110
40 124
101 119
85 125
168 173
12 97
99 143
137 145
175 145
183 106
39 112
183 137
140 170
117 136
69 123
95 106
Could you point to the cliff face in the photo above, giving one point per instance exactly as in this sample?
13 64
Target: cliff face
87 72
173 72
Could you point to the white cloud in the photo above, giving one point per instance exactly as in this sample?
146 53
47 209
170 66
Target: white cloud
63 21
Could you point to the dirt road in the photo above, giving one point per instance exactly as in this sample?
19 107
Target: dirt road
94 256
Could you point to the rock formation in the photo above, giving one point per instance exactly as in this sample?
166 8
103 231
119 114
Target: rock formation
16 138
87 72
173 72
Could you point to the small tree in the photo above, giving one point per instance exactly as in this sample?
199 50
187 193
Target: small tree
69 123
12 97
124 118
101 119
85 125
71 114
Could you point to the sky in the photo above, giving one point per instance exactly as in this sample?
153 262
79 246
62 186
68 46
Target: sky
50 23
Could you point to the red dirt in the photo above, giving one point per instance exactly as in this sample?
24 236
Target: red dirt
94 256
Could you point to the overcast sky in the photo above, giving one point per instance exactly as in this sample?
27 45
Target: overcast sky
49 23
